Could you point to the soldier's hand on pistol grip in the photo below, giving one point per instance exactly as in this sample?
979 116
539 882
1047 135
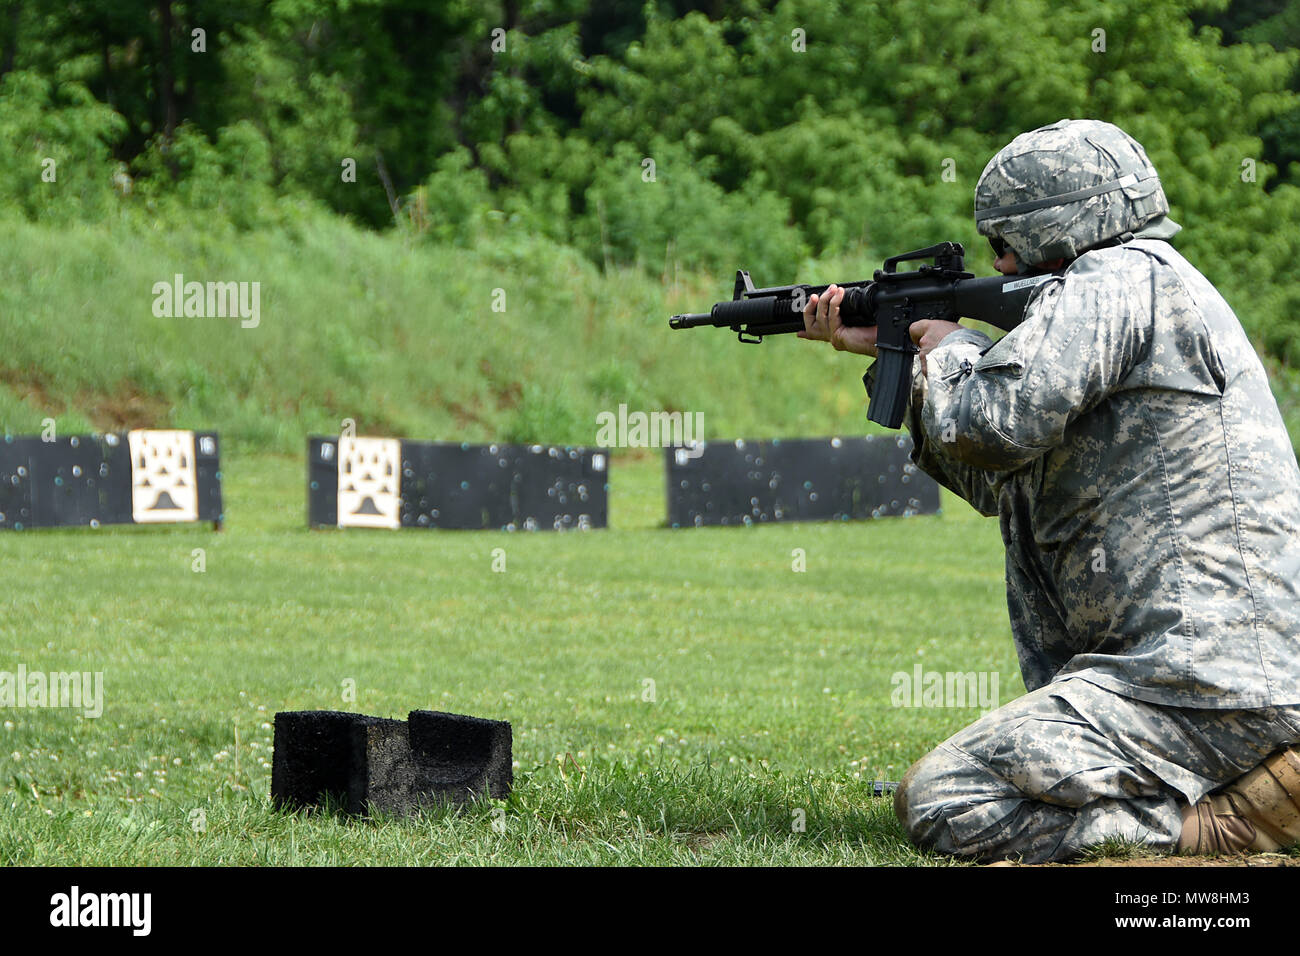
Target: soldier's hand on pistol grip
928 333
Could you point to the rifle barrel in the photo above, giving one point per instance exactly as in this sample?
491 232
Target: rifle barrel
690 320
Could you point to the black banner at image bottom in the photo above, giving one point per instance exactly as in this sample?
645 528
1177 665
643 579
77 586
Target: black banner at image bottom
335 906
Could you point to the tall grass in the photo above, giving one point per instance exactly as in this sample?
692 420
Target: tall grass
518 340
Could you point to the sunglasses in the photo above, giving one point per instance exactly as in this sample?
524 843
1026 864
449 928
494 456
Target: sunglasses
999 246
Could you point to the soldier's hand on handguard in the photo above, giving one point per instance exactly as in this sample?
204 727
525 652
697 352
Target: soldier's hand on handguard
821 322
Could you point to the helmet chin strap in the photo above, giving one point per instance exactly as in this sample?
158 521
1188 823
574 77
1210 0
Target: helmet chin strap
1025 269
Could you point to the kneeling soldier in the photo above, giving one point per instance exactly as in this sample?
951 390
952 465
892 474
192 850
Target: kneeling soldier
1149 499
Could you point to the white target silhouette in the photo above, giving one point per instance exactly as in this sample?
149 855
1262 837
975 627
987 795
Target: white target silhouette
370 472
164 485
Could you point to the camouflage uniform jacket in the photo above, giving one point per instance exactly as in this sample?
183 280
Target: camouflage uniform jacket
1149 498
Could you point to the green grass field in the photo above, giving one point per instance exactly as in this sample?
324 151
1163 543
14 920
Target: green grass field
772 692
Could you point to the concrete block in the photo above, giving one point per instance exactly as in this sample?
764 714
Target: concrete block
462 757
390 766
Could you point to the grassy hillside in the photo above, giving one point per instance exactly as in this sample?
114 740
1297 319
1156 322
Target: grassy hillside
401 337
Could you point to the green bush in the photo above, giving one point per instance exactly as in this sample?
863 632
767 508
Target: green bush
57 139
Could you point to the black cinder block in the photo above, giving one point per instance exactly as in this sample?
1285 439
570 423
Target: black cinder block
462 757
389 766
312 757
383 775
321 753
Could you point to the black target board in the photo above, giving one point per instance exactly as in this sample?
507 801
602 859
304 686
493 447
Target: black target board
146 476
393 483
747 482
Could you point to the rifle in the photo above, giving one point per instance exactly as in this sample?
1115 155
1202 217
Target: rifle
891 300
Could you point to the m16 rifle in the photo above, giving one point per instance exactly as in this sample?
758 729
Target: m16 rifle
939 288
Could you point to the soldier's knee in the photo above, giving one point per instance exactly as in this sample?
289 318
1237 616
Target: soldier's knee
919 801
952 804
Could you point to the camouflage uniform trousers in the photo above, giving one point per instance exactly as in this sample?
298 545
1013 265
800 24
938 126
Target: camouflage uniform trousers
1071 765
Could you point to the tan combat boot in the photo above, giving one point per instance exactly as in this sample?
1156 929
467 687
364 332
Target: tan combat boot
1259 812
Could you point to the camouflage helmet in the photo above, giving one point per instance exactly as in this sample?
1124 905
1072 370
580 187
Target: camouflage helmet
1060 190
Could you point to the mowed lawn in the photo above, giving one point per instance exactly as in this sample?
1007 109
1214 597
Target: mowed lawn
771 688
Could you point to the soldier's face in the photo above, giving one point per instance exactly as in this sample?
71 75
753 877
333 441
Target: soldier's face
1006 262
